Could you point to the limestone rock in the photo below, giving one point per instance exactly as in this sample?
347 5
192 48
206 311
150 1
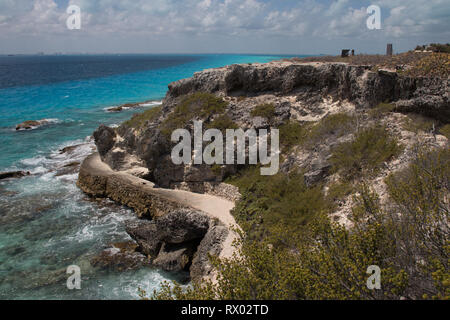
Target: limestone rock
120 257
31 124
104 139
13 174
182 226
211 245
175 257
145 233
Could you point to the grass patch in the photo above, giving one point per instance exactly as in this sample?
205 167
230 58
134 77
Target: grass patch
339 191
382 109
264 110
222 123
292 134
365 154
416 123
139 119
198 105
271 202
335 125
432 65
445 130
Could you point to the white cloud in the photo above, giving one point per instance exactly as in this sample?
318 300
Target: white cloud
338 19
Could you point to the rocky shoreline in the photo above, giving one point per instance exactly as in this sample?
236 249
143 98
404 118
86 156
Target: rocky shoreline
191 219
174 233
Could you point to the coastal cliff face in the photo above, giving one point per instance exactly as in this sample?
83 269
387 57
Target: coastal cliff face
301 92
310 83
323 110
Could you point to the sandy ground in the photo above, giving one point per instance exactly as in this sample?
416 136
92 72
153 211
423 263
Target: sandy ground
213 206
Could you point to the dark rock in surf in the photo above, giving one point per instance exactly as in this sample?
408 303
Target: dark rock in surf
13 174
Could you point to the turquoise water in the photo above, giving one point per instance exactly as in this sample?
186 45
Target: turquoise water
46 223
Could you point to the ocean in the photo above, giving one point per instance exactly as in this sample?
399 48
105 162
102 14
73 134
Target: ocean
46 222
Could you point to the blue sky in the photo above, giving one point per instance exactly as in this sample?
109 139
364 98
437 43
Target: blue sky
220 26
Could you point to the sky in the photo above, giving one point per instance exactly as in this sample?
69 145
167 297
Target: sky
220 26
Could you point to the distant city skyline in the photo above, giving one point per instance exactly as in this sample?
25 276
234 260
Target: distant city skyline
219 26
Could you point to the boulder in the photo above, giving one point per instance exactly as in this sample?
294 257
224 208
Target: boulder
120 257
69 149
13 174
147 237
182 226
31 124
69 168
104 139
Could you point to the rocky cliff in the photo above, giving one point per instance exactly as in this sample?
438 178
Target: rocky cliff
302 92
316 106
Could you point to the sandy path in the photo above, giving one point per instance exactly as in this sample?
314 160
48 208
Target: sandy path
213 206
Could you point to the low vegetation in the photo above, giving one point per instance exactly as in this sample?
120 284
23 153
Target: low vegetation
381 110
138 120
270 201
370 149
266 111
445 130
292 133
198 105
222 123
320 259
434 64
336 126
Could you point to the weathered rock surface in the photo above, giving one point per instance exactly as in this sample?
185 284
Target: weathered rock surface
182 226
175 257
171 241
13 174
302 92
211 245
145 233
104 139
120 257
31 124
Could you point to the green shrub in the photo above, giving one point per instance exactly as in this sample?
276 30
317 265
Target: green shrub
198 105
339 191
139 119
335 125
409 241
270 201
264 110
365 154
292 134
222 123
381 110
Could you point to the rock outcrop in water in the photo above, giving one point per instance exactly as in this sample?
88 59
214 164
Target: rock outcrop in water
32 124
13 174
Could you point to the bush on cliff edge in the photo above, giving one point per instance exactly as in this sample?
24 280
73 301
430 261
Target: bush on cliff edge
408 240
